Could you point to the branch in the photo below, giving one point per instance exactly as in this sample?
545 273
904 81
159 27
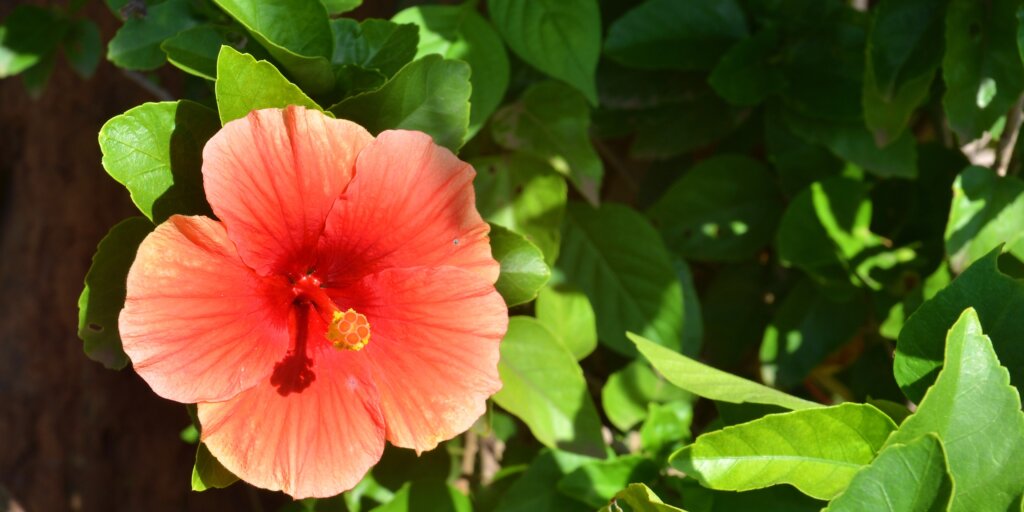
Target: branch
1007 143
159 92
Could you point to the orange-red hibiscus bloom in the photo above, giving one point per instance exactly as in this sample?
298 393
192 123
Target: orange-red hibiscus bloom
345 297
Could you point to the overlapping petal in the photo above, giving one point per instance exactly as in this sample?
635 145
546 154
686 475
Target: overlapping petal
314 438
434 348
198 324
272 178
410 204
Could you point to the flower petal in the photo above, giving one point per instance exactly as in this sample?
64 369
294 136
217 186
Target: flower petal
410 204
197 323
433 347
316 439
273 176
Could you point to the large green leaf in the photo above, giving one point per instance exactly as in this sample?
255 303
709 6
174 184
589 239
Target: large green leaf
297 34
374 44
459 32
904 50
155 150
987 212
596 482
101 300
195 50
817 450
660 34
638 498
981 67
808 326
137 44
430 95
567 312
245 84
977 415
724 208
999 302
559 37
711 383
523 271
904 478
208 473
537 489
620 262
28 36
544 387
552 122
525 195
627 393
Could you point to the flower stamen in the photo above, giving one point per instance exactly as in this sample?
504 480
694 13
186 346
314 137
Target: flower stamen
349 330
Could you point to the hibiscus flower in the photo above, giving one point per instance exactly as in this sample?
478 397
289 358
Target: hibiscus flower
344 297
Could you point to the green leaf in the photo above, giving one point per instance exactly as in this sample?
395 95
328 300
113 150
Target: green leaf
808 326
561 38
208 473
373 44
904 478
748 73
567 312
596 482
101 300
552 122
987 212
544 387
638 498
523 271
668 34
155 150
459 32
296 33
83 47
904 50
536 490
711 383
976 413
195 50
818 451
430 95
27 37
427 496
998 300
666 425
620 262
693 322
981 54
826 231
799 163
851 141
137 44
523 194
335 7
627 393
897 317
724 208
245 84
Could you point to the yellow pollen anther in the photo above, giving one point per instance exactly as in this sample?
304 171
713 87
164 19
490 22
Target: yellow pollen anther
349 330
